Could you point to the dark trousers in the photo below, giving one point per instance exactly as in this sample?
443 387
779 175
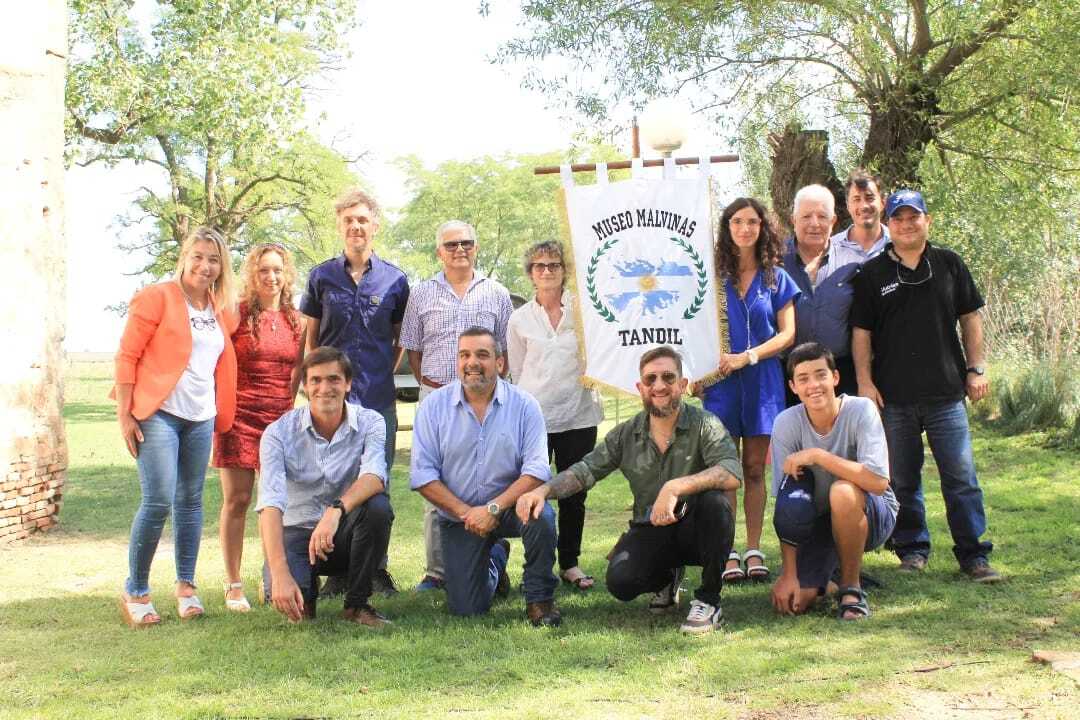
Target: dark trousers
848 384
644 556
359 544
568 447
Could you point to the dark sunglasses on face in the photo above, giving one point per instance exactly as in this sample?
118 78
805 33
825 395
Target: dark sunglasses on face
552 267
668 377
454 245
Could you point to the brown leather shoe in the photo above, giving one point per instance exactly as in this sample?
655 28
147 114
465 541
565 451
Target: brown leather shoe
543 614
365 615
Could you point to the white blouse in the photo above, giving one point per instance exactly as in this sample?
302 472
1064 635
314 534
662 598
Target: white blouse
544 362
193 397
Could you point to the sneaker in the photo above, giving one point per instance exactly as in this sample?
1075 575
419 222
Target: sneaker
543 614
383 583
702 618
980 571
667 598
502 589
366 615
913 563
430 582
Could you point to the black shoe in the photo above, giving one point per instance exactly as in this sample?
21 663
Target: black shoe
502 589
383 582
335 585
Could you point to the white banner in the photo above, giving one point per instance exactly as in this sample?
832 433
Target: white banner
642 254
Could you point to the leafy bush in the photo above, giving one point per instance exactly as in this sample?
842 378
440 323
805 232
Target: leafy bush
1042 396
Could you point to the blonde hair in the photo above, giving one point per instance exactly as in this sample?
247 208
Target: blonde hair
356 196
250 295
223 291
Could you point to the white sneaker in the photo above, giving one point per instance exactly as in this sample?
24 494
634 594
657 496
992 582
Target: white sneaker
667 597
702 618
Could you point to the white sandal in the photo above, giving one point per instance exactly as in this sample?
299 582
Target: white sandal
736 573
241 604
189 607
136 613
757 573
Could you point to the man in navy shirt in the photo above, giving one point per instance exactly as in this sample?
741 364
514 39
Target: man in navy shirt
355 302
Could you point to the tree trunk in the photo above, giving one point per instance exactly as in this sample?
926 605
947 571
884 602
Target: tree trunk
801 157
901 128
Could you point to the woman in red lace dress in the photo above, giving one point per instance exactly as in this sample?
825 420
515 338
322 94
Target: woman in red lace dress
269 350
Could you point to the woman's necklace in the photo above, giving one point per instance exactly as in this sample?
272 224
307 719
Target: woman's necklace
188 297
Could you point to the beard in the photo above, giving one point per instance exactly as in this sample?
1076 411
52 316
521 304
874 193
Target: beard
662 412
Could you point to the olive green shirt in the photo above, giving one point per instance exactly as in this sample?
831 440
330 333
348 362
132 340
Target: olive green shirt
700 442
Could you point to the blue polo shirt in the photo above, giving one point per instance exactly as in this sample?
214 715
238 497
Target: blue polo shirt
478 460
359 320
822 309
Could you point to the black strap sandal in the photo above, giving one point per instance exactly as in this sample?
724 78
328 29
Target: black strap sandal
861 606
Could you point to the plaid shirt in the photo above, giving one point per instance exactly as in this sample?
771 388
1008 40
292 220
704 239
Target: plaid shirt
435 316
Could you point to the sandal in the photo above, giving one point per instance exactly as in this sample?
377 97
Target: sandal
189 607
240 604
137 614
582 582
736 573
860 606
757 573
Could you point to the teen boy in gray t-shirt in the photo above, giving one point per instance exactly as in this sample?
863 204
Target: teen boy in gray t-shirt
831 481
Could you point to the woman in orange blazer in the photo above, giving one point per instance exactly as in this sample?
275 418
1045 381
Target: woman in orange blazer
175 383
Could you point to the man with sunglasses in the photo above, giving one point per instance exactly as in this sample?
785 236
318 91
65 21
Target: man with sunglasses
355 302
459 297
680 462
910 362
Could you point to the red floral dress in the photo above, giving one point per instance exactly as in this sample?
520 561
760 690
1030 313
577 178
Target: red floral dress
263 394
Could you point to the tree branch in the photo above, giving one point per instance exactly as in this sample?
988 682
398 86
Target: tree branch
961 51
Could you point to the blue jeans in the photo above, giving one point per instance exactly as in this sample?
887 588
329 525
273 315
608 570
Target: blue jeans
172 468
946 427
474 563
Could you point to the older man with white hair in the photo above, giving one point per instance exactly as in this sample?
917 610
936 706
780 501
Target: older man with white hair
459 297
823 270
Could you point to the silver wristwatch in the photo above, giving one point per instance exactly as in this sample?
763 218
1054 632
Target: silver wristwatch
493 509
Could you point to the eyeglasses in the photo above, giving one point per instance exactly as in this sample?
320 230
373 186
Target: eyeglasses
929 268
200 323
454 245
668 377
552 267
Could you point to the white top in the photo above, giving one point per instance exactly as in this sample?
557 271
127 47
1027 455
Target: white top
544 362
193 397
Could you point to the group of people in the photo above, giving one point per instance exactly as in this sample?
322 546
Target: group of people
854 334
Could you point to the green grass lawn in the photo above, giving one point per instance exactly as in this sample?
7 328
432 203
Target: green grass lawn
937 646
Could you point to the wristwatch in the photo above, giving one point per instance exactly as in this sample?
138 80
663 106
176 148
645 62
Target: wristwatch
977 369
339 505
751 356
494 509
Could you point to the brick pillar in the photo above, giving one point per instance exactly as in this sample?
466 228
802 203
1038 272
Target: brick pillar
33 449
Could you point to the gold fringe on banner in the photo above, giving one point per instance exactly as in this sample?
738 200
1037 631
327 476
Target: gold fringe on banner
721 295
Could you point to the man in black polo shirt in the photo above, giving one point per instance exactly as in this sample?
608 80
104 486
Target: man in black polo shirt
907 303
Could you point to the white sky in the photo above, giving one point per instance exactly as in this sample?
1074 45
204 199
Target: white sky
418 82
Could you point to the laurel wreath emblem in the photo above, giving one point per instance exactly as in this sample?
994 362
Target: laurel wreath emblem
606 314
590 281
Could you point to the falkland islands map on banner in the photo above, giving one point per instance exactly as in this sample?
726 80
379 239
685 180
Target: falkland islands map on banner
643 265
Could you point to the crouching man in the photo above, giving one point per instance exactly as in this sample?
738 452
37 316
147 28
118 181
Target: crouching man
831 481
322 503
679 461
478 444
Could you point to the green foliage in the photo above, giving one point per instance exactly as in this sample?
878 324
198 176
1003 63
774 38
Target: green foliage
212 93
992 79
1040 397
511 208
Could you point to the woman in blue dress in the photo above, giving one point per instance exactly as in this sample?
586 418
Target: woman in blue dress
761 324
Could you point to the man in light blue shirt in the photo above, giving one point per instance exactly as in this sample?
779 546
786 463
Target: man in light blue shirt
479 443
322 507
866 236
